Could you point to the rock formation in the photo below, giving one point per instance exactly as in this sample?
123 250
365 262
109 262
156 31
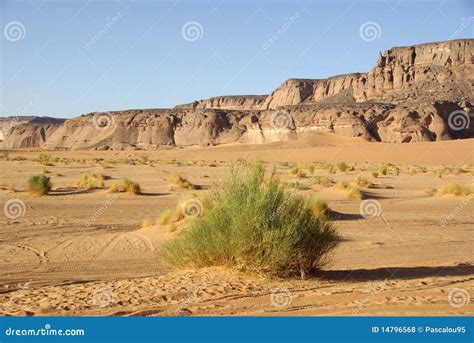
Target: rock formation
416 93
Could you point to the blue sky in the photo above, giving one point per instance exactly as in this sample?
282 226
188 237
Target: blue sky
73 57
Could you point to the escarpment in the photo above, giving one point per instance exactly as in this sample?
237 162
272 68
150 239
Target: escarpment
413 94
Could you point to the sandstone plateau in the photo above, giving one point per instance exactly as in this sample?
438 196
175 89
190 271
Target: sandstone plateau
409 96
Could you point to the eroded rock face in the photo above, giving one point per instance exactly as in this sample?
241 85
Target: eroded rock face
409 96
27 132
434 71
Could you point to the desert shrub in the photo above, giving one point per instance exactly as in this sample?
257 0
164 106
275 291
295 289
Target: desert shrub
114 188
331 169
11 188
179 181
131 187
363 182
383 170
453 188
168 216
45 159
322 180
319 207
396 171
294 170
342 166
299 186
19 158
311 168
39 184
87 181
375 174
301 173
255 227
354 193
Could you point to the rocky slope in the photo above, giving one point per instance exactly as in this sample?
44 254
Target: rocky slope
416 93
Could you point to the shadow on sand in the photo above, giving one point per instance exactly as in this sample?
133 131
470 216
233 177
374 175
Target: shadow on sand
394 273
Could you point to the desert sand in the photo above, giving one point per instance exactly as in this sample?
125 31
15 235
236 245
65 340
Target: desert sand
60 258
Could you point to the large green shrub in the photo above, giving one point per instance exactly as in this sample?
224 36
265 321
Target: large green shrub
39 184
253 223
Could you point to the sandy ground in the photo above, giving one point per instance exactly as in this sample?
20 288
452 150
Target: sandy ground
60 258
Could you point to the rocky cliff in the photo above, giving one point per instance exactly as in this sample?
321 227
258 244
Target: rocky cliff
416 93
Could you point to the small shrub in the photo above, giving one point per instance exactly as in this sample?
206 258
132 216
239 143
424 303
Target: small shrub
319 208
363 182
89 182
299 186
342 166
170 216
114 188
453 188
45 159
396 171
383 170
11 188
322 180
181 182
131 187
354 193
146 223
375 174
301 174
331 169
311 168
254 226
39 184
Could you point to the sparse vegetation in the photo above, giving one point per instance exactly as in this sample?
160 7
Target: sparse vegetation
342 166
87 181
11 188
255 226
131 187
319 208
375 174
383 170
363 182
453 188
45 159
311 168
39 184
322 180
179 181
146 223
